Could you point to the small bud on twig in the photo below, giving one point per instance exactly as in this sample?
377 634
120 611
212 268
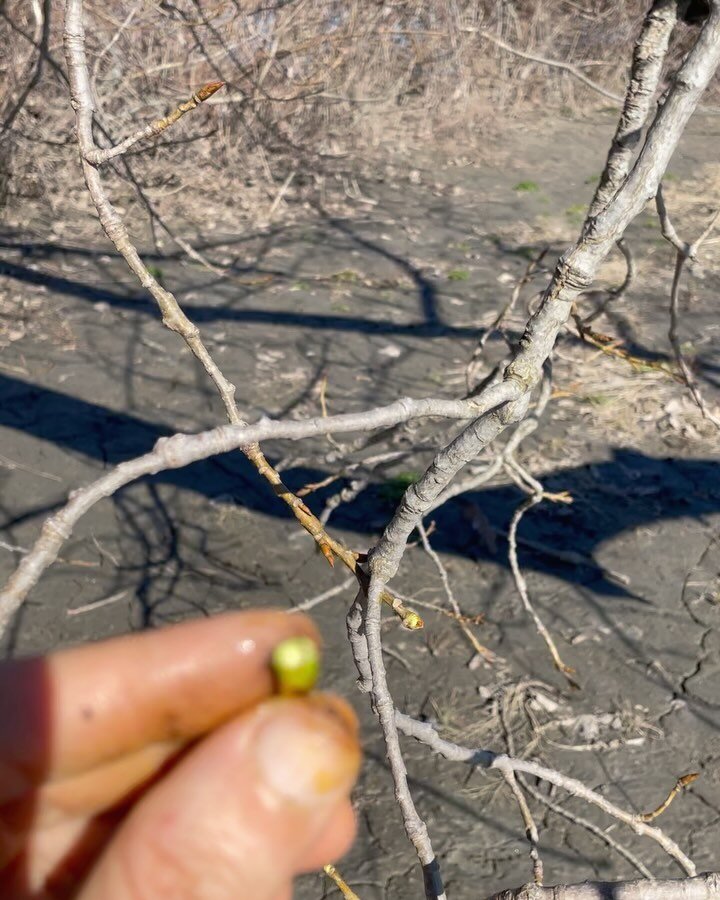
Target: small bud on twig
207 90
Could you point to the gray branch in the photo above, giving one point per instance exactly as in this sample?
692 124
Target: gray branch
574 273
702 887
648 58
182 449
487 759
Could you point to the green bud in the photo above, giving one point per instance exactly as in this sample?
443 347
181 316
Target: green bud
296 664
412 621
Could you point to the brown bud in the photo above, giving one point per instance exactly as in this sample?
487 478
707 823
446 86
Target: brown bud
207 90
327 552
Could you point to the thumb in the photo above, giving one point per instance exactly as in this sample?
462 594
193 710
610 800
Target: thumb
256 802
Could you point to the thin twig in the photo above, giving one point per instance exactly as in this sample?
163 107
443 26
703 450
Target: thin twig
610 347
182 449
544 61
530 270
487 759
591 827
320 598
99 155
340 883
522 588
97 604
617 293
14 464
667 229
531 831
684 252
30 78
680 785
284 187
475 643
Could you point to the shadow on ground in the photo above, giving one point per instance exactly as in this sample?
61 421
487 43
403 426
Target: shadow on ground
628 490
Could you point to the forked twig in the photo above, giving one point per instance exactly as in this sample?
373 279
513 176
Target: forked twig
173 316
591 827
99 155
487 759
560 810
536 497
544 61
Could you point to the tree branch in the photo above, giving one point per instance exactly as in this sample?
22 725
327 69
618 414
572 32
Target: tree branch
574 273
487 759
99 155
30 78
648 57
701 887
172 315
182 449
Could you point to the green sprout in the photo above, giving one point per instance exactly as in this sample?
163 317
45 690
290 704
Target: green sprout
296 664
576 213
157 273
527 187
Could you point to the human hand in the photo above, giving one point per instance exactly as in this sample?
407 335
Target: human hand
159 766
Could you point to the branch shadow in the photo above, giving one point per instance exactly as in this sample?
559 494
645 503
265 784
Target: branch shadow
644 489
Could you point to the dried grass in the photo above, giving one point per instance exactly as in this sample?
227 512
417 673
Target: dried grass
310 85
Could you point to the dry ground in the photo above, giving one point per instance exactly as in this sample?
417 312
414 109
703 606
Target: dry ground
383 296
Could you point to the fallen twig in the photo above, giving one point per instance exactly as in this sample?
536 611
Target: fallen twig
701 887
536 497
680 785
340 883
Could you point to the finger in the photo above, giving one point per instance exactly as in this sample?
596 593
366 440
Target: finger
70 831
101 787
57 811
85 707
243 813
333 842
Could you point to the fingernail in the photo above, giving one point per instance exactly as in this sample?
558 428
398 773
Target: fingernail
307 749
